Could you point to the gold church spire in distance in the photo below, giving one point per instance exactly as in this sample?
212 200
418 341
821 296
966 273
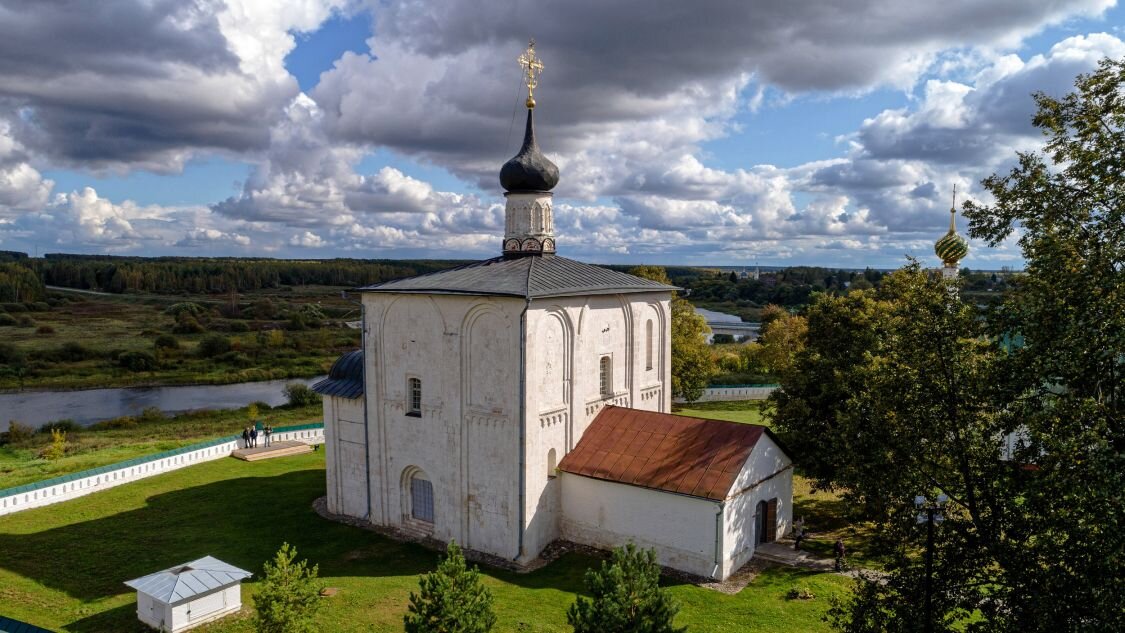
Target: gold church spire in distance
532 66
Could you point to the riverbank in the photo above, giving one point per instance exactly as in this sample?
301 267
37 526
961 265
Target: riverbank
125 438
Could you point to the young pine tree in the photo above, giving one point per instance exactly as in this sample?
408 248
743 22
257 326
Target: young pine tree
451 599
627 597
289 595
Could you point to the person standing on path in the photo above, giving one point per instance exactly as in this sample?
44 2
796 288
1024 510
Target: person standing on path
246 437
838 548
268 431
253 437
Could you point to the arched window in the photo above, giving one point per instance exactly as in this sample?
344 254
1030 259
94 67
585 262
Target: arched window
648 344
414 395
552 465
421 499
605 380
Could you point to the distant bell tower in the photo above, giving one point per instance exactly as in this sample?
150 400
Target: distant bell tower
951 248
529 228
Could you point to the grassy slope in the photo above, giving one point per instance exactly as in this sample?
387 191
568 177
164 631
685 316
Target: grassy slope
131 322
749 412
91 448
62 566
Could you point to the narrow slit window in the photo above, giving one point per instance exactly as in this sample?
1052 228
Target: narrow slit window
415 395
552 466
648 344
604 379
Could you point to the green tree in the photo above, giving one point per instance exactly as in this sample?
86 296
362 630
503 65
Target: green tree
451 599
913 381
289 596
782 338
626 597
691 364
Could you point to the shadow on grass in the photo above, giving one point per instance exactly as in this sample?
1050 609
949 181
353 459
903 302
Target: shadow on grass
242 521
122 619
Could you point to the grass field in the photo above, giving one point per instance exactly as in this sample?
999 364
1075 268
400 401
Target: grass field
62 566
98 446
746 412
106 326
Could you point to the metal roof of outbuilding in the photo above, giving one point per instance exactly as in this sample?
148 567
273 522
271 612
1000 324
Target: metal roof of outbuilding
530 277
186 581
345 379
674 453
8 625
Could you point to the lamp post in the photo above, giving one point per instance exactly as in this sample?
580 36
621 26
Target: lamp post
929 512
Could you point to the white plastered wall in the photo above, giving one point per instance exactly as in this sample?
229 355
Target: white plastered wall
344 445
204 608
465 351
767 474
566 338
607 514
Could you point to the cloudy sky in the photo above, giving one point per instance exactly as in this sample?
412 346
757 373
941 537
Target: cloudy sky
720 132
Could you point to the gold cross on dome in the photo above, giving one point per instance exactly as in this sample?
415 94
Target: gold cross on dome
532 66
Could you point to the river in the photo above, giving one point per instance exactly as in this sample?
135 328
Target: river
93 405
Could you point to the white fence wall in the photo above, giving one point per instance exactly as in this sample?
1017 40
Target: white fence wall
66 490
716 394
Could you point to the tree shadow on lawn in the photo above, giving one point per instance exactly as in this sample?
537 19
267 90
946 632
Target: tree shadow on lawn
241 521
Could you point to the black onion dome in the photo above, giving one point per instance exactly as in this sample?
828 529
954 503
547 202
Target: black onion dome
529 170
345 379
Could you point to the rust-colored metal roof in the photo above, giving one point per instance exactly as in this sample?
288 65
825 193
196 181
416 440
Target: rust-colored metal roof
675 453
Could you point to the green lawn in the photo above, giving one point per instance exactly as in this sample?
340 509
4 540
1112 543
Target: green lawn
62 566
97 446
747 412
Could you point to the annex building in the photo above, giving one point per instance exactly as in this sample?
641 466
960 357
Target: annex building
526 398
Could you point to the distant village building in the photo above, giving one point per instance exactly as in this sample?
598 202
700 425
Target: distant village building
189 595
518 400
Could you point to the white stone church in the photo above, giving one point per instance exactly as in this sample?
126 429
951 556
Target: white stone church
526 398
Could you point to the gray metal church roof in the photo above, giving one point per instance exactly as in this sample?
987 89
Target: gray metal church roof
531 277
345 379
186 581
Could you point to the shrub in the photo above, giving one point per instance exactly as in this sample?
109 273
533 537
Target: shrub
451 598
45 330
626 597
214 345
57 447
289 594
238 326
137 361
7 319
188 324
39 306
66 425
73 352
123 422
13 307
11 355
166 341
799 593
238 359
150 415
262 406
26 321
299 395
18 433
186 307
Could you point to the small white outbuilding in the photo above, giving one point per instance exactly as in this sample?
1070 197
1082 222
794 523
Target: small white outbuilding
188 595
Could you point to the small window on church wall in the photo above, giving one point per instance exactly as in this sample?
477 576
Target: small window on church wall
648 344
421 499
415 395
552 466
604 379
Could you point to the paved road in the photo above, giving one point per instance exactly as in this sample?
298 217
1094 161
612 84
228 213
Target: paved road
85 292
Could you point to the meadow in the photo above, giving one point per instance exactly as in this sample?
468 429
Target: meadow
62 566
79 340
